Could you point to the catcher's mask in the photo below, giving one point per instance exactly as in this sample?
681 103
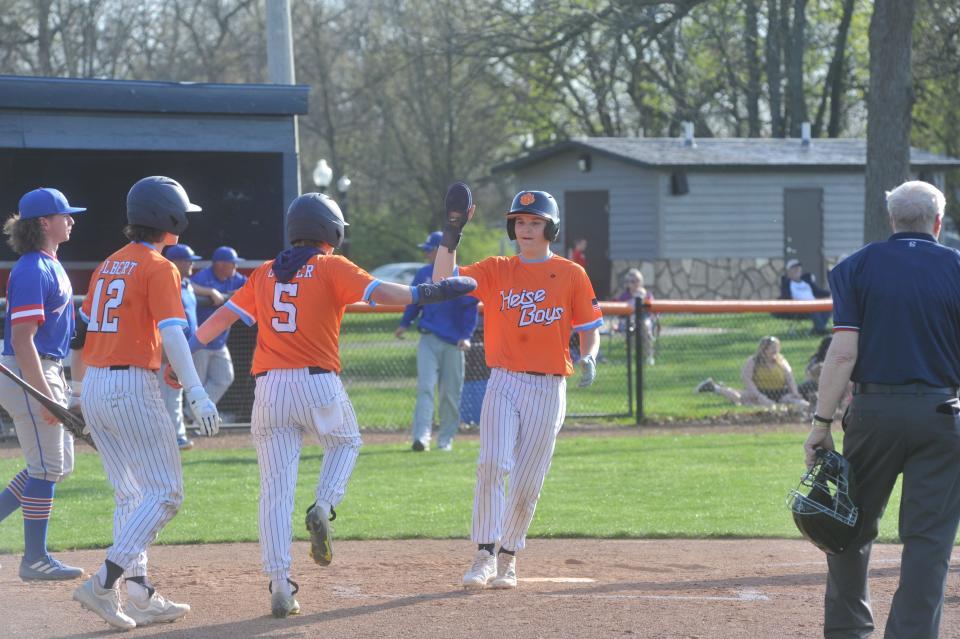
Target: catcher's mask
827 514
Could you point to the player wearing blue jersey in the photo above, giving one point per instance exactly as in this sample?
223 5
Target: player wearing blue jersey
38 325
183 258
218 282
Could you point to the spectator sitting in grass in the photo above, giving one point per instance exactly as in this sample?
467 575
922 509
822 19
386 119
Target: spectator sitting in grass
811 384
767 379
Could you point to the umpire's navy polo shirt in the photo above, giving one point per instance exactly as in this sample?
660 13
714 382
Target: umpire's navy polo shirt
903 296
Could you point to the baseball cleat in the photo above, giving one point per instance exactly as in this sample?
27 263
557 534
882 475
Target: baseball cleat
282 602
321 543
482 570
184 444
104 602
47 569
506 578
157 610
419 446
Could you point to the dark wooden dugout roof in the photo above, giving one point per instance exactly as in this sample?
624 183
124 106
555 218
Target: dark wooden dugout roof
129 96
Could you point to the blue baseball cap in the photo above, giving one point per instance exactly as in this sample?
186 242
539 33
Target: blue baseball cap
181 252
433 241
225 254
46 201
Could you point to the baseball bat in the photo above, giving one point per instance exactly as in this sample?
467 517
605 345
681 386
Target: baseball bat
72 421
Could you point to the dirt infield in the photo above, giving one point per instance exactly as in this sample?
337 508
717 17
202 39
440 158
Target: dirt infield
743 589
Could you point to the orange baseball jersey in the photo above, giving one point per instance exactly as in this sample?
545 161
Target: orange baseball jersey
299 321
133 293
530 310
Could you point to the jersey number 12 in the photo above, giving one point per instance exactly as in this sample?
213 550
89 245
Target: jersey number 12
100 319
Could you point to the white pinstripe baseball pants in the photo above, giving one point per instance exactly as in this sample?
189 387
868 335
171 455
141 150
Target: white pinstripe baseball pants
286 403
519 422
131 428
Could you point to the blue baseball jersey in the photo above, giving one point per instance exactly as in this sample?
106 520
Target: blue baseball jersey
206 277
39 290
189 299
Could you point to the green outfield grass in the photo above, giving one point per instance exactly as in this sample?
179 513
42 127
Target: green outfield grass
629 486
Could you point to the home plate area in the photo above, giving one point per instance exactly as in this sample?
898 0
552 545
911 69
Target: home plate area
411 588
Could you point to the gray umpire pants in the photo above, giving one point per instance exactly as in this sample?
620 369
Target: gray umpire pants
889 434
438 364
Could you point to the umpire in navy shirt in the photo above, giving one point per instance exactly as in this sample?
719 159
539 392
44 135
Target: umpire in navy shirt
445 331
896 308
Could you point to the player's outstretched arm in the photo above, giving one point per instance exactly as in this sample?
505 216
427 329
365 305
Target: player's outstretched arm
426 293
222 319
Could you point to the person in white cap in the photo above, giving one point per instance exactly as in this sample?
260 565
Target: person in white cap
797 285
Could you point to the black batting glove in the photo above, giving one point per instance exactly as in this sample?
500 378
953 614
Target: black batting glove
458 201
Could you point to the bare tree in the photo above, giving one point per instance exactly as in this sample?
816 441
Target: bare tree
797 106
774 47
889 104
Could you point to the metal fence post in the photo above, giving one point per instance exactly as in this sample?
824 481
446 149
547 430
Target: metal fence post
638 315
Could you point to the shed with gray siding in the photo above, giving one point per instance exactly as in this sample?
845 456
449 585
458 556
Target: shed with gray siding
708 218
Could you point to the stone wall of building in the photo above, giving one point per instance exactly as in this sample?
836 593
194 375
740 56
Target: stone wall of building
700 279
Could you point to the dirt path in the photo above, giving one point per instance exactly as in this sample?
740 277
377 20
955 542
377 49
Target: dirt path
579 588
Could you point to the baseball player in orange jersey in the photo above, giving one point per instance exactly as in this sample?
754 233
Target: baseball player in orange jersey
298 301
132 308
532 302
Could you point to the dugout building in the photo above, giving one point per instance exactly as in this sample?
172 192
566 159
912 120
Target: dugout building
232 146
712 218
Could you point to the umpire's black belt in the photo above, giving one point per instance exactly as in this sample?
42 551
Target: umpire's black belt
314 370
902 389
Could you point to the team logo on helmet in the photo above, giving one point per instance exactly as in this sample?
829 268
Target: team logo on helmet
527 199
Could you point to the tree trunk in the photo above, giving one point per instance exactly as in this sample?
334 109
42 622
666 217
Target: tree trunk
797 41
773 47
835 83
889 103
753 70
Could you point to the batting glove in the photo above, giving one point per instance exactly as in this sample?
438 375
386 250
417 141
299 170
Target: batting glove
588 371
459 205
205 411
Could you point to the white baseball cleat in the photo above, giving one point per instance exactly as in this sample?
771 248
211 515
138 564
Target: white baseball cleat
104 602
506 572
156 610
482 570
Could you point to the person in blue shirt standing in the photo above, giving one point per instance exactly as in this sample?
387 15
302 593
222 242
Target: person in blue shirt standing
896 322
183 258
217 282
38 325
445 331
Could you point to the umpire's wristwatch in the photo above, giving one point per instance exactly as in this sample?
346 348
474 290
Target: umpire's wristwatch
821 422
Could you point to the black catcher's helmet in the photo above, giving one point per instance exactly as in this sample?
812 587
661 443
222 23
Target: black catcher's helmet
538 203
827 515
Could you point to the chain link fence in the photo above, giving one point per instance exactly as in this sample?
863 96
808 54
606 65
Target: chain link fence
710 342
380 373
650 375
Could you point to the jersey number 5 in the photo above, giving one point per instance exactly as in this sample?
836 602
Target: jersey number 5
286 320
100 320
